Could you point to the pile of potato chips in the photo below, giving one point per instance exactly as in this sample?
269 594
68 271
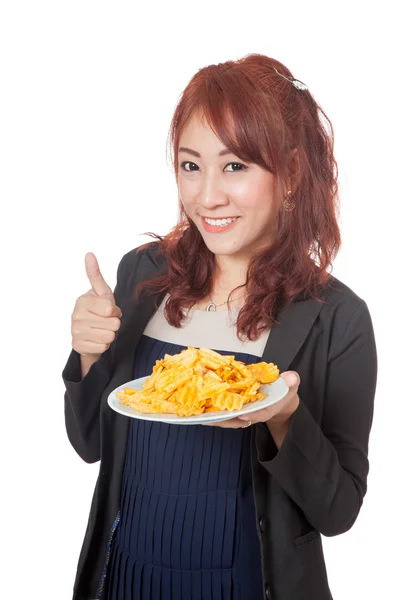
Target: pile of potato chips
197 381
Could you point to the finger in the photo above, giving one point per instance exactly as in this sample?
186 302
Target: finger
110 324
84 347
260 416
96 322
108 309
102 307
96 279
97 336
292 379
234 423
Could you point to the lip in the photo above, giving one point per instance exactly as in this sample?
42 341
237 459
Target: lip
217 218
216 229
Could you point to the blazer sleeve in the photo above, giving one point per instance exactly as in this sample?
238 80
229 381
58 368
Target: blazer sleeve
82 396
324 468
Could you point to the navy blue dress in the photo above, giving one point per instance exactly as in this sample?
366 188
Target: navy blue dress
187 525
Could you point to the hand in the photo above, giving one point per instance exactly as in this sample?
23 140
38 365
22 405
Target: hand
276 417
96 317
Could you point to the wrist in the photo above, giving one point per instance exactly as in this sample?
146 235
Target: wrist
87 360
282 419
279 424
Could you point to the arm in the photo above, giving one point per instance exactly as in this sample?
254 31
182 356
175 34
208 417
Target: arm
83 394
324 468
86 362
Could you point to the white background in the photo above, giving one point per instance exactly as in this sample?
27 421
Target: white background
88 89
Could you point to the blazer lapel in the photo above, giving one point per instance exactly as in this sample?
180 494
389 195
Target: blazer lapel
286 338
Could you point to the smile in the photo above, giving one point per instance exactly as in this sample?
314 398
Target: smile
218 225
220 222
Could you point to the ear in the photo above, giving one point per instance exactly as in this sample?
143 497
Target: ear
294 170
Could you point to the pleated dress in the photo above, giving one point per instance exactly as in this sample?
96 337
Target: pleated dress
187 525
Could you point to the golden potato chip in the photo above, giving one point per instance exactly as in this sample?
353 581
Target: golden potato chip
241 385
228 401
206 352
200 369
210 389
170 379
253 389
240 368
211 376
264 372
185 358
211 359
211 408
130 391
224 372
197 381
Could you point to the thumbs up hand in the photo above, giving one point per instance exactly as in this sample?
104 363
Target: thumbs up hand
96 317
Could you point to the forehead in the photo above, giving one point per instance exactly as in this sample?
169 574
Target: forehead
211 127
198 128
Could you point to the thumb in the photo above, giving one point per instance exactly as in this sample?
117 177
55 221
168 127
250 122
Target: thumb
291 378
99 286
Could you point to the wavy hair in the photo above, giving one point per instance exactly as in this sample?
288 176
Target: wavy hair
270 117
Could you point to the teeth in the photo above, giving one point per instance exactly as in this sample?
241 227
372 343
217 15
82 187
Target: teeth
220 222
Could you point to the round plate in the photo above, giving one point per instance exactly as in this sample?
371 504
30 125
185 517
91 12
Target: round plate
275 391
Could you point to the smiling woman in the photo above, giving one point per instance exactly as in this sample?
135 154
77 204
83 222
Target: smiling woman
248 145
234 510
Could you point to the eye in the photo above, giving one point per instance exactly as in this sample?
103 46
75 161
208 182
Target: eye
238 167
190 166
189 163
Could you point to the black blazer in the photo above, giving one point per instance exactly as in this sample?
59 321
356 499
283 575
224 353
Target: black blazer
313 485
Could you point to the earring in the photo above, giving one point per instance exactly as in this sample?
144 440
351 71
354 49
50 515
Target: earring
288 202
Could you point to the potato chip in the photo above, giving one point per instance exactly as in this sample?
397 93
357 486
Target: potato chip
130 391
211 408
241 385
198 381
211 359
264 372
211 376
187 357
210 389
253 389
171 379
228 401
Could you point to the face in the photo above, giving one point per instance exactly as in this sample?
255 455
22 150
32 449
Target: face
230 201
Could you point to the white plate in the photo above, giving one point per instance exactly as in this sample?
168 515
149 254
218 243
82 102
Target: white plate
276 391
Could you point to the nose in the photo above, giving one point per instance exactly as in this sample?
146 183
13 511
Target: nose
211 193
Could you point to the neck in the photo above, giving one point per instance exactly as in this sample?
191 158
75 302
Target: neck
230 273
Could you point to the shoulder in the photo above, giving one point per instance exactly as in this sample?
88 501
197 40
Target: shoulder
339 296
147 257
344 312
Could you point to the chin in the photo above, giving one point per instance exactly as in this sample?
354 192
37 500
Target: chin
221 249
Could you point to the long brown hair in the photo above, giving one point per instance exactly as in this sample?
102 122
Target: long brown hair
270 118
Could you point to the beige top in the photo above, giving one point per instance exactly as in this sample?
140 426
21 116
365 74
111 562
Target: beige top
202 329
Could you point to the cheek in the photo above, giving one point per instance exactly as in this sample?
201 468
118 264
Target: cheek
185 191
254 194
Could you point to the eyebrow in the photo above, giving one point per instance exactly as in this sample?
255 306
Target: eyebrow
194 153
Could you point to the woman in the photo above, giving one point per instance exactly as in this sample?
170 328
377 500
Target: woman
234 510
